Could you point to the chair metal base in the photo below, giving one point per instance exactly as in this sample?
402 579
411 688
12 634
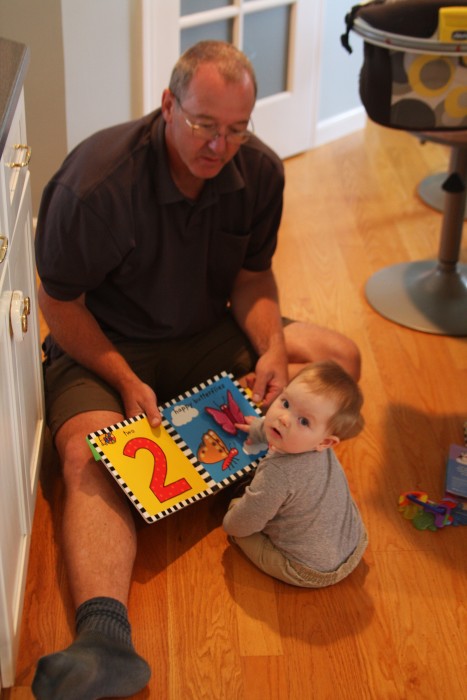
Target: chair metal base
430 190
421 296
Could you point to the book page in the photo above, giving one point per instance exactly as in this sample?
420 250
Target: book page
196 451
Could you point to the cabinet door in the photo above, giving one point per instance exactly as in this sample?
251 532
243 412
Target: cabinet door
21 393
25 349
14 541
15 160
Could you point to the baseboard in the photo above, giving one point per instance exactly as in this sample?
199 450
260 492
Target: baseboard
336 127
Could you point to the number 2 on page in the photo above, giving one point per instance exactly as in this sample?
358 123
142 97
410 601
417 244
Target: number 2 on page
162 491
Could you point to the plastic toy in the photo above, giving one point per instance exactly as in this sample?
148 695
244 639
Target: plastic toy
430 515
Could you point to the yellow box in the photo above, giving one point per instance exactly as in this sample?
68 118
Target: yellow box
452 24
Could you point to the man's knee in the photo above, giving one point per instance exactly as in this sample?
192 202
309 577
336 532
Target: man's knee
308 342
351 359
75 455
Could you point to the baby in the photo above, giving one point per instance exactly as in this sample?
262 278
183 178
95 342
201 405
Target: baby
297 520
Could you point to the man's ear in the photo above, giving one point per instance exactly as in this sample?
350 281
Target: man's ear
328 441
167 105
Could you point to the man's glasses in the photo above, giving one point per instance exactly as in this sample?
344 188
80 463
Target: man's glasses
210 132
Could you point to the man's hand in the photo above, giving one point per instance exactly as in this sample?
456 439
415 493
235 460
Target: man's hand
270 377
139 398
255 306
79 334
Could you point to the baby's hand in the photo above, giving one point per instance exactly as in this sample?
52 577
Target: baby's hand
245 427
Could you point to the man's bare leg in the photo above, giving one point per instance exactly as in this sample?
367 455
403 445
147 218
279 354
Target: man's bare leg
99 545
99 538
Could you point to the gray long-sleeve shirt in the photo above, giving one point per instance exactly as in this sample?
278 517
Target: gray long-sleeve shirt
302 502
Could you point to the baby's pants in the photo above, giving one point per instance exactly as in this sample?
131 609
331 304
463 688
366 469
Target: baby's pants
261 551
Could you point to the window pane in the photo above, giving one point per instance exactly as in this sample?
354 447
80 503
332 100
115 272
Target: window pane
189 7
266 43
221 31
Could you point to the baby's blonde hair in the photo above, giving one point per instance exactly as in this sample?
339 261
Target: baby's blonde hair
329 378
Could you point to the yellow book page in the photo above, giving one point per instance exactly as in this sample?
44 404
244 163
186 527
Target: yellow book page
152 466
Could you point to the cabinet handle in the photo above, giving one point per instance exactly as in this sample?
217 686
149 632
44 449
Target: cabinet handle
19 312
3 248
22 163
25 314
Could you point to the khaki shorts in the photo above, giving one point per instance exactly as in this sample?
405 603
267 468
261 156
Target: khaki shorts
170 367
261 551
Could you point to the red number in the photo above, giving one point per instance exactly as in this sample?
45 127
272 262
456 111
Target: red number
161 490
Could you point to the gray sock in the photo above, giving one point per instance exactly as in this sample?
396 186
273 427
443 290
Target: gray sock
100 663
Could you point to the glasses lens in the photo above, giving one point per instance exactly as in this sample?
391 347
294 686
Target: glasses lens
208 133
238 137
211 132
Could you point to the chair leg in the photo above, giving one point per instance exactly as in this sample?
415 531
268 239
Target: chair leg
454 208
430 190
431 295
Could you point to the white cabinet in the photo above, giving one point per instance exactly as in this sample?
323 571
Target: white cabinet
21 388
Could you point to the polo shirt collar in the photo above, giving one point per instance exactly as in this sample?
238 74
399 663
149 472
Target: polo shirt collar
229 179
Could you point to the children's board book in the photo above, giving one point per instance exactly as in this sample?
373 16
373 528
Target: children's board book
196 451
456 471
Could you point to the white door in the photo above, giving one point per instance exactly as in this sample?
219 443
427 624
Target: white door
282 38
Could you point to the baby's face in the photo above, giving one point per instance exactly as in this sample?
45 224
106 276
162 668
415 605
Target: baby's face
297 421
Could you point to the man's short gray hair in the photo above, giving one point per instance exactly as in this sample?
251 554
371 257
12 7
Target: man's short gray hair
230 61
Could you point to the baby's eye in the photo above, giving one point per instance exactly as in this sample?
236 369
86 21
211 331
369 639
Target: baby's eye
285 403
304 421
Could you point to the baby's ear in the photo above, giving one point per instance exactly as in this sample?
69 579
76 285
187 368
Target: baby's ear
328 441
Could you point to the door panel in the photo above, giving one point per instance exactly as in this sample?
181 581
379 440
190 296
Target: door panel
282 40
266 42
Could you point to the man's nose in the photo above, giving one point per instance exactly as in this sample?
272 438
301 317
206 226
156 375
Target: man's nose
218 144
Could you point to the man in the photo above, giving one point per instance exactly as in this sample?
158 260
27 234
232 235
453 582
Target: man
154 250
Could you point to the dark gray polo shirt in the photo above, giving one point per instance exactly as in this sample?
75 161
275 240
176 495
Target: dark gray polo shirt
152 264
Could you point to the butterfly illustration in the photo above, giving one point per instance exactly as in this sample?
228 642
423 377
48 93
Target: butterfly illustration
228 414
212 449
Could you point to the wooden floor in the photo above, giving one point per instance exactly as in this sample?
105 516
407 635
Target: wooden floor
213 627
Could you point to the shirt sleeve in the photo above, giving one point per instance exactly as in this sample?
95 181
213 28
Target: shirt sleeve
75 247
256 434
260 502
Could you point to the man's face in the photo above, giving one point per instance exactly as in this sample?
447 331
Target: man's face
208 102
